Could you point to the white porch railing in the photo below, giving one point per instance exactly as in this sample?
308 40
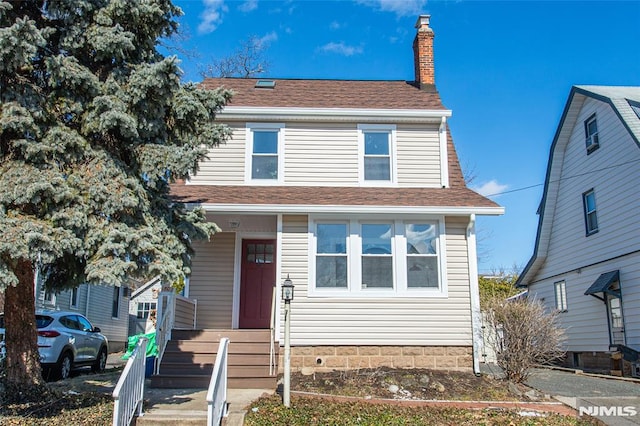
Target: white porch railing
166 317
217 393
129 391
272 349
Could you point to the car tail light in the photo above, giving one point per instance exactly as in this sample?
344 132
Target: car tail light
48 333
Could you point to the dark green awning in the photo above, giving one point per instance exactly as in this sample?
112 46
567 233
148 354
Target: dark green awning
604 281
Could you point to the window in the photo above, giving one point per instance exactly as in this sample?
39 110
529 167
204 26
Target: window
561 295
74 297
590 215
115 307
591 134
265 153
376 145
331 255
376 258
144 309
49 297
422 257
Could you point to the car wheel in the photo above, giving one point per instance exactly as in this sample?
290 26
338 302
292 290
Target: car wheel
101 361
64 366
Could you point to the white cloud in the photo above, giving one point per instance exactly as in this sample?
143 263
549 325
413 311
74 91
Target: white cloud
399 7
341 49
266 39
248 6
211 17
335 25
491 188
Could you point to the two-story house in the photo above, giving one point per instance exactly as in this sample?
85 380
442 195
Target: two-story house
354 191
586 260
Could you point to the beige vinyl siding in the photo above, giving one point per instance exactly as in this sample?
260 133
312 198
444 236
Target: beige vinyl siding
225 165
211 282
418 156
617 192
322 153
380 321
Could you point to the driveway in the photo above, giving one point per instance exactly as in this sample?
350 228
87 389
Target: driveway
615 402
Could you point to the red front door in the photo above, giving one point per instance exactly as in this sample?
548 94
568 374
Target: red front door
257 279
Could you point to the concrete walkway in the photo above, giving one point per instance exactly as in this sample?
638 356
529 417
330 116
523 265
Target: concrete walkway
189 406
614 401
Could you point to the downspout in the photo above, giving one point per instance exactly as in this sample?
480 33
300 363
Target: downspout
476 321
444 155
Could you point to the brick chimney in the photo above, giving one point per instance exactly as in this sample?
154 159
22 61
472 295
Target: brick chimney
423 54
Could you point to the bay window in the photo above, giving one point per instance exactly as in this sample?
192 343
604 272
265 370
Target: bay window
376 258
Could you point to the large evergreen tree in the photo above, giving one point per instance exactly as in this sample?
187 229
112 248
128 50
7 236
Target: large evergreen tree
94 126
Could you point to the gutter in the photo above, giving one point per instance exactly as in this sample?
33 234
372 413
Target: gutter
476 322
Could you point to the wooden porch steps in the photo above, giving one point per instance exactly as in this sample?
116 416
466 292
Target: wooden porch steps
190 355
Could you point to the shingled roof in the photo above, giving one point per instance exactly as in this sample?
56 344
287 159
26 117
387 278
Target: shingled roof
292 93
346 94
330 196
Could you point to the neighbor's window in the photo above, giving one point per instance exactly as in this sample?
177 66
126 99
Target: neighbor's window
376 147
331 255
144 308
74 297
377 256
49 297
591 134
422 255
265 159
561 295
590 214
115 307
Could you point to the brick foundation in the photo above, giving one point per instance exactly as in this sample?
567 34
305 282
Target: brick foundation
328 358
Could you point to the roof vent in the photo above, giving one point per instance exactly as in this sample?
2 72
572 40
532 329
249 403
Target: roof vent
265 84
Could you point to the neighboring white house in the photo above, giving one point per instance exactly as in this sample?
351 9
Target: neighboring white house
143 306
106 307
586 261
353 189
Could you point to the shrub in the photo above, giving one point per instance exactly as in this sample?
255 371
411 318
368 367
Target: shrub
524 335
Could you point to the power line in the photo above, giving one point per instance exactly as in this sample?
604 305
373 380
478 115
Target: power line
564 178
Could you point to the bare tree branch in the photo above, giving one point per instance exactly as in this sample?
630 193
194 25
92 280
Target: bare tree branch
246 62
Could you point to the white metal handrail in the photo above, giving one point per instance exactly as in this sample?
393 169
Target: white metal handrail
166 318
217 393
272 351
129 392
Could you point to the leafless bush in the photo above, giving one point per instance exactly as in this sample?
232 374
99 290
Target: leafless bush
523 335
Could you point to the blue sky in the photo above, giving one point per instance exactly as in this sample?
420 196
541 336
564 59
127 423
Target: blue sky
505 69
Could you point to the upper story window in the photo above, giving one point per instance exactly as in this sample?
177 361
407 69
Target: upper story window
590 212
377 258
560 290
265 156
591 134
376 147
